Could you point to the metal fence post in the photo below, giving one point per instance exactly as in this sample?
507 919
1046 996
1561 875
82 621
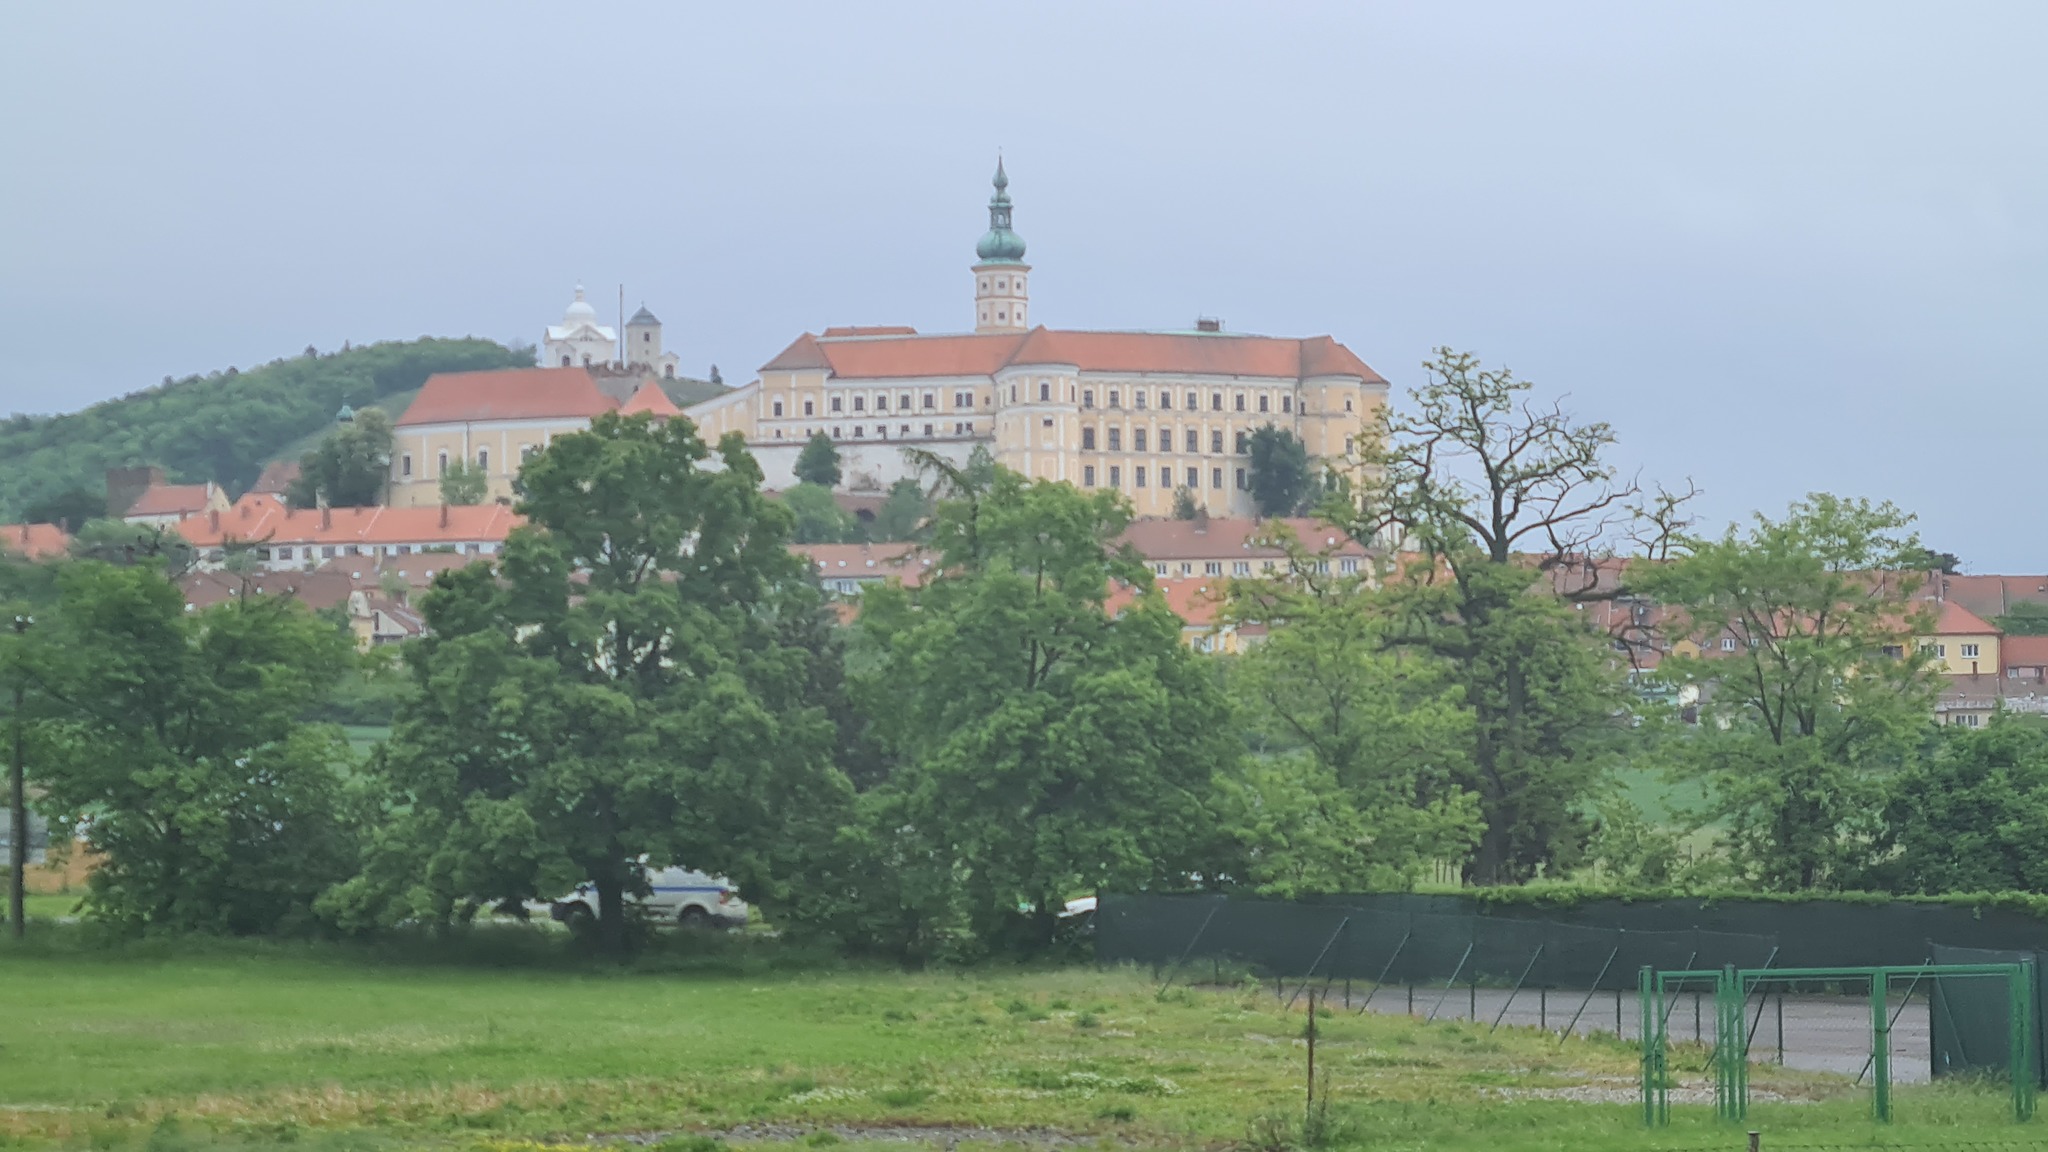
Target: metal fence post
1880 1049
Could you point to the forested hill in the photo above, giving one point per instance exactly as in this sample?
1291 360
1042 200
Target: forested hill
223 426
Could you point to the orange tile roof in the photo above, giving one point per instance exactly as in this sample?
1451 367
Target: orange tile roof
1157 540
650 398
506 394
1198 601
317 589
2025 651
170 500
1955 619
277 476
251 521
905 562
1990 596
859 354
34 541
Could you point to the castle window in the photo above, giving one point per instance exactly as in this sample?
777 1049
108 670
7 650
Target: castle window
1350 444
1013 393
1265 402
483 459
1000 285
835 431
1194 402
963 399
1088 476
837 403
1087 397
1216 441
1215 401
1138 401
1240 401
1243 443
1044 390
1138 476
984 285
1137 439
1240 480
1165 398
647 337
931 400
1215 477
778 407
903 402
669 371
860 431
1000 316
810 408
1116 476
442 464
404 467
860 403
1194 440
1087 439
1115 398
1287 403
882 402
566 362
1194 477
927 429
1116 439
1047 422
1347 403
906 430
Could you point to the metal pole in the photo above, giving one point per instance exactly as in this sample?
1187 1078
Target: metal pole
1781 1027
1517 988
1880 1049
1311 973
1543 1008
17 808
1749 1037
1451 983
1472 996
1903 1004
1192 941
1649 1068
1590 992
1381 978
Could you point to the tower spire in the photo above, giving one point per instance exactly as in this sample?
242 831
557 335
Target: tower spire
999 297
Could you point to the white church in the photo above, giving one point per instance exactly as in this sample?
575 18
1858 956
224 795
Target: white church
581 340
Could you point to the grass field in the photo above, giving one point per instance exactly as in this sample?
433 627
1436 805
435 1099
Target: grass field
175 1045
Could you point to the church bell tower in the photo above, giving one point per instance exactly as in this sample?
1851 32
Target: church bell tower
1000 299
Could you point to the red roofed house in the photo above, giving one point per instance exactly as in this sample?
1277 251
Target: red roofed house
649 398
162 503
284 539
34 541
1144 413
490 420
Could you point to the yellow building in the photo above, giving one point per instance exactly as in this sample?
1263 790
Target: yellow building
1146 413
491 420
1963 643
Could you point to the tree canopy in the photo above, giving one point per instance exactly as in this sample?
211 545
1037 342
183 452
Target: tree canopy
349 467
818 462
1281 476
225 426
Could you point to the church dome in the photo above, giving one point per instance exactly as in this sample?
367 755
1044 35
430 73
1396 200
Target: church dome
580 311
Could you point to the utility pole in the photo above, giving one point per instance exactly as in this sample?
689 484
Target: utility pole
17 840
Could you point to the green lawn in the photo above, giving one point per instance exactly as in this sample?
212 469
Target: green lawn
170 1045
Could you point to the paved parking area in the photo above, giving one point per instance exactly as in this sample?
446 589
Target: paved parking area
1819 1033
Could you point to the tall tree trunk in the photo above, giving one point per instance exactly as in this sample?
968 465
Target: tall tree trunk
611 914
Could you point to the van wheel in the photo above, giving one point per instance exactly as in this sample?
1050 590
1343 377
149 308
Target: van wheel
693 917
579 917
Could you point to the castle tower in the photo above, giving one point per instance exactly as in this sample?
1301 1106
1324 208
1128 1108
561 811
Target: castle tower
1000 300
643 338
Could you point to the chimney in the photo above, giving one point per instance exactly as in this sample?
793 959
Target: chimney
326 517
444 515
213 520
1208 324
24 536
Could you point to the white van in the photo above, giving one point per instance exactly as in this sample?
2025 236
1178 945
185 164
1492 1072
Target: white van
677 895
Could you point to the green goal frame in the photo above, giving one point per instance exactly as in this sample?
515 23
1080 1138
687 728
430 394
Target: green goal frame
1733 987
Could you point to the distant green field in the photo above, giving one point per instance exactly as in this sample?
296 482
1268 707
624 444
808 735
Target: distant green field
362 738
188 1045
1660 798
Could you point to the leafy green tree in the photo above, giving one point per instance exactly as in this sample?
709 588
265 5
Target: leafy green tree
223 427
903 514
628 684
464 484
176 745
819 518
818 462
2024 619
1184 506
119 542
71 508
1970 817
1353 784
348 468
1281 477
1044 744
1496 495
1824 687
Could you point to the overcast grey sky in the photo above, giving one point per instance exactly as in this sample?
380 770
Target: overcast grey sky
1781 247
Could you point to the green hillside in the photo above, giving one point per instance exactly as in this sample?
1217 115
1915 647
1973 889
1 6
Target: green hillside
224 426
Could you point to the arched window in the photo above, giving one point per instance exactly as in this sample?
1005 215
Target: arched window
565 360
442 463
483 459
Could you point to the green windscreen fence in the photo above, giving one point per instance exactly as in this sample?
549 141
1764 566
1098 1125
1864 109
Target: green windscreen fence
1332 940
1969 1017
